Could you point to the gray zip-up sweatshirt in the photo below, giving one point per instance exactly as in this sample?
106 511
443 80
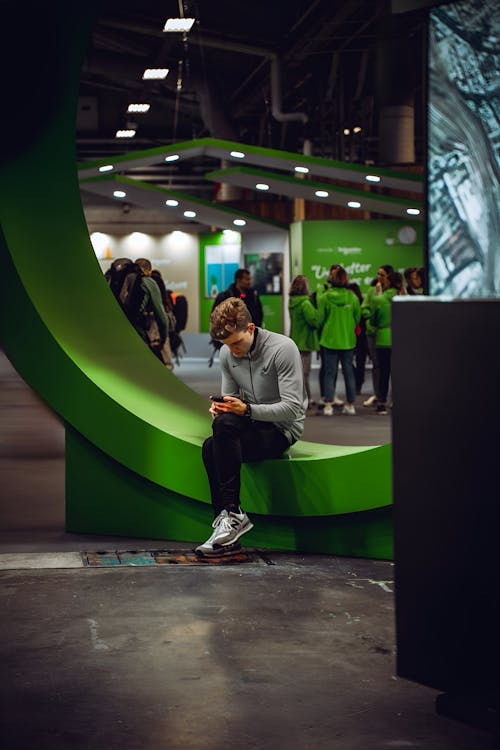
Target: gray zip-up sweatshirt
270 378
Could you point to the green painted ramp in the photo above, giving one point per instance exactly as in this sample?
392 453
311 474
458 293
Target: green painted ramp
134 431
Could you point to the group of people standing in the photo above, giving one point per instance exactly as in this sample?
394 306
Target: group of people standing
345 327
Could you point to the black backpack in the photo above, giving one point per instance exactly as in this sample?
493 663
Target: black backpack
116 273
180 312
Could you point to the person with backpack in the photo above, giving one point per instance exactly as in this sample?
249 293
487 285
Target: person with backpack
304 322
140 300
170 344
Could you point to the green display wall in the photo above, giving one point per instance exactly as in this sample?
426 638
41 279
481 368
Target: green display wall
134 431
360 246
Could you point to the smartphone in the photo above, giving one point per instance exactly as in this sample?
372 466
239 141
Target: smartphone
217 398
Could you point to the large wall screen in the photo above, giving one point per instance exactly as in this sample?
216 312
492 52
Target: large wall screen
464 143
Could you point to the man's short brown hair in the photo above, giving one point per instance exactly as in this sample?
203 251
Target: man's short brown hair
229 317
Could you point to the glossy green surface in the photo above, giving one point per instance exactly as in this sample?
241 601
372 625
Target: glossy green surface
63 331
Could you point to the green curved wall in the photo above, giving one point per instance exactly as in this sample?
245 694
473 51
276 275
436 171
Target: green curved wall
134 431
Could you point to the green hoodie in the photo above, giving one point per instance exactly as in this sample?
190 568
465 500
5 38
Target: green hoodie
304 320
340 313
381 318
367 308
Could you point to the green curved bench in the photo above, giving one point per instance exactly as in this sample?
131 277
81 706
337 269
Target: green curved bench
134 430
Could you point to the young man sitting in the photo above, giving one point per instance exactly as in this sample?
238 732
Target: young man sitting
261 414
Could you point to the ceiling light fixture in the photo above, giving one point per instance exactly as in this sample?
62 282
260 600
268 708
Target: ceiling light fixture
172 157
346 131
413 211
357 129
155 74
372 178
119 194
302 170
106 168
237 154
138 108
354 204
239 222
171 202
125 133
261 186
189 214
321 193
178 24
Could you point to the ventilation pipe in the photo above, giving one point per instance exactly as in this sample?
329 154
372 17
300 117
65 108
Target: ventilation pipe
276 97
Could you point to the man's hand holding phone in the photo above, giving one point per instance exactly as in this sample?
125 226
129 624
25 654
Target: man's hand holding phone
225 404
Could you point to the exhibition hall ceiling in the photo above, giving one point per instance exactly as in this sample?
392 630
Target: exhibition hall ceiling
294 75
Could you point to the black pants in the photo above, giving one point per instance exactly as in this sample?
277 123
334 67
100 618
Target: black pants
237 440
360 354
384 363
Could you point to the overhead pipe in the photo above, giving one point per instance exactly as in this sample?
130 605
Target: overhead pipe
276 97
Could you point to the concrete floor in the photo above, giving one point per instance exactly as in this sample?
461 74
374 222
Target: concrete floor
299 653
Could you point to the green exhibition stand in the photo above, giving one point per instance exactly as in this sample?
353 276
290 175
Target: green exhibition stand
134 431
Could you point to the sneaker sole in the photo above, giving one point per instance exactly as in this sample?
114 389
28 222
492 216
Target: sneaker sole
227 548
231 549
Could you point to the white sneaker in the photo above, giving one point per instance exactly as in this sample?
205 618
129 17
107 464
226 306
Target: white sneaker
370 401
328 411
228 528
349 409
338 402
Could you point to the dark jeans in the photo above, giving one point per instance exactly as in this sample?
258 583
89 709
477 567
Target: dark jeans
384 364
331 359
237 440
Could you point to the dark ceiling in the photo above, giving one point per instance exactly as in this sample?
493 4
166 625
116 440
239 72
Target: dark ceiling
272 74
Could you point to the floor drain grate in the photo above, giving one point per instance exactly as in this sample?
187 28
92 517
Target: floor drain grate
136 558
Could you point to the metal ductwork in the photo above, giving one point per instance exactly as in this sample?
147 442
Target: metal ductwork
276 97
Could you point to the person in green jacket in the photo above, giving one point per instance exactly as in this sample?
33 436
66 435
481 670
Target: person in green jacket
304 322
377 287
339 313
380 319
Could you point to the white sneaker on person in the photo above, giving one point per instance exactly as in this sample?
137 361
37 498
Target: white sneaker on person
328 411
349 409
338 401
370 401
228 527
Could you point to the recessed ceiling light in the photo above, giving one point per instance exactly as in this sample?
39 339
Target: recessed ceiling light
372 178
357 129
125 133
119 194
189 214
178 24
106 168
261 186
152 74
239 222
172 157
413 211
354 204
237 154
171 202
138 107
346 131
321 193
302 170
